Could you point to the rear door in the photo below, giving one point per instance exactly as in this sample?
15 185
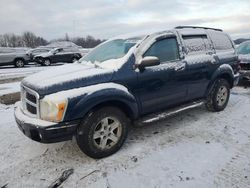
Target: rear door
199 58
163 85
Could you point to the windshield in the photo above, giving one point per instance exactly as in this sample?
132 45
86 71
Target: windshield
244 49
113 49
55 50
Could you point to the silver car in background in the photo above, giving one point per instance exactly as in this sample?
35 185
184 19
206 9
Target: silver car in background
13 56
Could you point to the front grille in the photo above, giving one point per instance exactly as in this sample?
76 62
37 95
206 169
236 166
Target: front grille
31 97
29 100
31 108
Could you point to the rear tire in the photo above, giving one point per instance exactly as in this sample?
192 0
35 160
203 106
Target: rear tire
218 98
102 132
19 63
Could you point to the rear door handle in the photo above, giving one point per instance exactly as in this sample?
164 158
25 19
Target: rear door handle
180 68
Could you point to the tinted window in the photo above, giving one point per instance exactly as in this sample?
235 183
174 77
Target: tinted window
220 40
196 43
165 50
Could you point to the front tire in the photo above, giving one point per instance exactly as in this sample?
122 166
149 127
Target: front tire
46 62
218 98
103 132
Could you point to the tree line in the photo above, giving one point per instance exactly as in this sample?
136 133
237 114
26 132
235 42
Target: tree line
30 40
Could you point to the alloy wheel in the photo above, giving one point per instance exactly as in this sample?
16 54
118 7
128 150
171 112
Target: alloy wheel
222 96
107 133
19 63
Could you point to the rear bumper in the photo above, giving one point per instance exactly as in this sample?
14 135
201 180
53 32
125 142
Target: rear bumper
44 131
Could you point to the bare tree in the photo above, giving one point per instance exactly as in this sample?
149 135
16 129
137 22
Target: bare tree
88 42
29 39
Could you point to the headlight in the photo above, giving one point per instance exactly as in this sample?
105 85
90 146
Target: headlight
51 110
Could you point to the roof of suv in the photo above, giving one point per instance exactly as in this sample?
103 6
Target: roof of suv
197 27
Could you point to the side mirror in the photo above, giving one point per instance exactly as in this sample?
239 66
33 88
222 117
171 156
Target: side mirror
148 61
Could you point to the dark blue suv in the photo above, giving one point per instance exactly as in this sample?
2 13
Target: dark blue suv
126 81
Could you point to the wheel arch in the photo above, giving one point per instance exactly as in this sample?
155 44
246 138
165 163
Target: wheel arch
118 97
44 58
123 106
19 58
225 71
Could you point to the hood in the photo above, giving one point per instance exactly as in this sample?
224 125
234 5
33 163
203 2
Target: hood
45 54
244 58
66 77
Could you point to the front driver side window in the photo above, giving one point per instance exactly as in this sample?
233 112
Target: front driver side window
165 50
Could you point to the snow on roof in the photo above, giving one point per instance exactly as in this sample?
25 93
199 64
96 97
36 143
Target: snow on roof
62 44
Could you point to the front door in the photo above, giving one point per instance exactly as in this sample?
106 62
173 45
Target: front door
163 85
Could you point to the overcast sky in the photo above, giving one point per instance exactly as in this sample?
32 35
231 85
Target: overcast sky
107 18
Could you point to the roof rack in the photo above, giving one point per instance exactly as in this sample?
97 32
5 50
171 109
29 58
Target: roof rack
195 27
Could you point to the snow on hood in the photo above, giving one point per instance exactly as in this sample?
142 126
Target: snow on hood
67 77
45 54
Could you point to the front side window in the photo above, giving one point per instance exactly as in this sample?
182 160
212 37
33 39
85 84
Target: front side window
165 50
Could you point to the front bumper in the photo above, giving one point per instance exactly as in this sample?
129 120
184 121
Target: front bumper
38 60
44 131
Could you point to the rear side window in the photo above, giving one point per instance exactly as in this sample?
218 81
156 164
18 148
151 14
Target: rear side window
196 43
220 40
165 50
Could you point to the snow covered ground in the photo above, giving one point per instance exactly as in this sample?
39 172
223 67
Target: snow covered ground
9 88
196 148
8 72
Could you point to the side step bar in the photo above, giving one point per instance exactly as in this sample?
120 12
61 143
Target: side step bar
170 112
